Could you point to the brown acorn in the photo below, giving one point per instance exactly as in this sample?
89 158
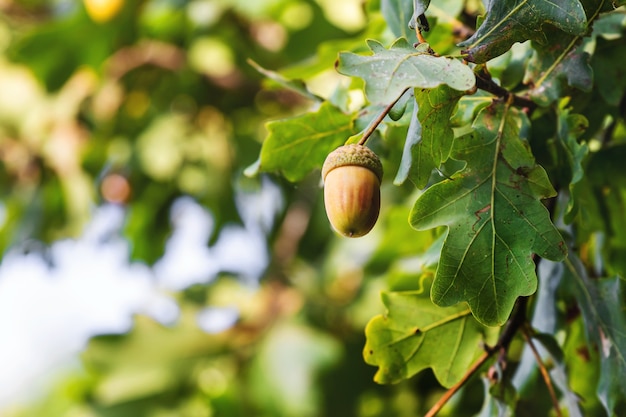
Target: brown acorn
352 176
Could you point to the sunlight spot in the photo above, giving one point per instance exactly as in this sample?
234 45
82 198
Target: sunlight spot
212 57
345 14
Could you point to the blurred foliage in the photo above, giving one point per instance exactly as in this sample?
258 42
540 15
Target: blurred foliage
137 103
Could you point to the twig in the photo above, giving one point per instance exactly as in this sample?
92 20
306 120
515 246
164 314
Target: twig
446 397
420 37
374 124
543 370
516 321
484 82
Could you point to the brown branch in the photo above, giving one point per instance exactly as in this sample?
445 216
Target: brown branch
516 321
446 397
420 37
486 83
512 326
542 368
374 124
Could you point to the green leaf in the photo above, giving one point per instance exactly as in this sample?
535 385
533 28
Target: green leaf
494 216
388 72
602 304
445 11
614 250
591 197
510 67
296 146
416 334
608 26
583 366
513 21
602 195
296 85
469 106
500 399
413 139
561 64
570 127
398 14
398 109
436 106
610 64
606 166
419 8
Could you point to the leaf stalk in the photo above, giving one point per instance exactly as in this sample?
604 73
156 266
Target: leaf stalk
378 120
513 325
542 368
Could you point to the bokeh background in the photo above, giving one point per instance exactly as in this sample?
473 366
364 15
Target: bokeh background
143 273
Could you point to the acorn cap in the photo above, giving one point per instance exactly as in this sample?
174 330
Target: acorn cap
355 155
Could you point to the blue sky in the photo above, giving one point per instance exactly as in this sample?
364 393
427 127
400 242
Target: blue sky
52 302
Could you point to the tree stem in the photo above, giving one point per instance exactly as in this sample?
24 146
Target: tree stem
517 320
378 120
486 83
542 368
446 397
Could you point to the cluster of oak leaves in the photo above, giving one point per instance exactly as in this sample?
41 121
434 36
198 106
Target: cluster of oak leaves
473 162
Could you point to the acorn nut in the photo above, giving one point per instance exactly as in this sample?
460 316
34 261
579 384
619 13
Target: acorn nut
352 176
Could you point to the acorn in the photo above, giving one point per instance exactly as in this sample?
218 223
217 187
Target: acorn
352 175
